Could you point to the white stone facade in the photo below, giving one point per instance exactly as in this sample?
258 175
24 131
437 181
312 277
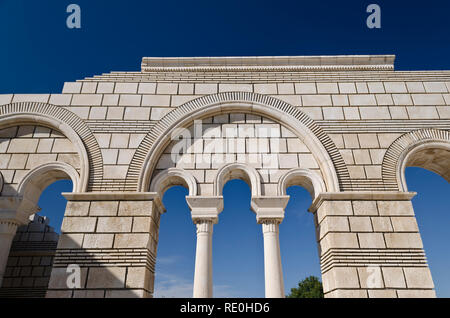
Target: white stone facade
343 127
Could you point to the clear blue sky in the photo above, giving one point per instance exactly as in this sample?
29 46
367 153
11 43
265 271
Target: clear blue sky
38 54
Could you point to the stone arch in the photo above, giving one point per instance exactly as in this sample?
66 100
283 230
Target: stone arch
36 180
73 127
237 171
331 163
306 178
171 177
411 148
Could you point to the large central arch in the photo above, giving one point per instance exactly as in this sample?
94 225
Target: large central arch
331 163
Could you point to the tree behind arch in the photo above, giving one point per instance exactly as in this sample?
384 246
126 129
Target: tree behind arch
310 287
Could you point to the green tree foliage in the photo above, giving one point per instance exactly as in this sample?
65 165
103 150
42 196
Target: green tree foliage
310 287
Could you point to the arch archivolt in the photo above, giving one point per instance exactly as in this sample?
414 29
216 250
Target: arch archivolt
425 148
237 171
306 178
328 159
66 123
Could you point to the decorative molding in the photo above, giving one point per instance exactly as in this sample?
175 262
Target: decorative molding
73 127
306 178
269 63
269 208
319 143
394 158
237 171
360 196
111 196
173 176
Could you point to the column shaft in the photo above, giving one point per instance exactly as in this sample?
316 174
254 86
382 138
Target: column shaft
203 261
273 271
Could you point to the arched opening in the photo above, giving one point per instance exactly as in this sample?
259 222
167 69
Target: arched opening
238 257
298 244
426 170
175 259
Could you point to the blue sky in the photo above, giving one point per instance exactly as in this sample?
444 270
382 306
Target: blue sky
38 54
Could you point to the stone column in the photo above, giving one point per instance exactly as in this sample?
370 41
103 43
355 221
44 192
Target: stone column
205 212
270 213
203 260
8 229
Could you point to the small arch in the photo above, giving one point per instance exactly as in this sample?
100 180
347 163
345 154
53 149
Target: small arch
306 178
172 177
426 148
237 171
39 178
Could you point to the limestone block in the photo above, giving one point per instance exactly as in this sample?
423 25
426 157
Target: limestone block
5 99
147 88
307 161
134 240
305 88
347 88
98 241
361 156
351 113
415 87
373 172
422 112
316 100
384 99
35 160
403 240
142 224
106 277
186 88
115 172
87 99
103 140
119 140
137 277
23 145
167 88
402 99
78 224
77 208
72 87
63 146
340 277
110 100
136 208
382 293
204 89
374 113
394 208
398 113
135 140
45 145
341 100
338 240
157 113
333 113
338 140
235 88
126 88
416 293
393 277
370 277
60 99
58 294
444 111
295 145
347 293
361 88
428 99
418 277
268 89
137 113
356 172
368 140
333 224
362 100
371 240
126 293
114 224
351 140
327 88
360 224
105 88
375 87
156 100
89 88
286 88
334 208
405 224
68 240
288 161
435 87
395 87
130 100
347 155
313 112
381 224
60 277
88 293
110 156
103 208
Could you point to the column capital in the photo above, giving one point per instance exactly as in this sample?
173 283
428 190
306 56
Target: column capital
205 208
16 209
269 208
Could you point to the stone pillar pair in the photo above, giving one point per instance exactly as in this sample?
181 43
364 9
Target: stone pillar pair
269 213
